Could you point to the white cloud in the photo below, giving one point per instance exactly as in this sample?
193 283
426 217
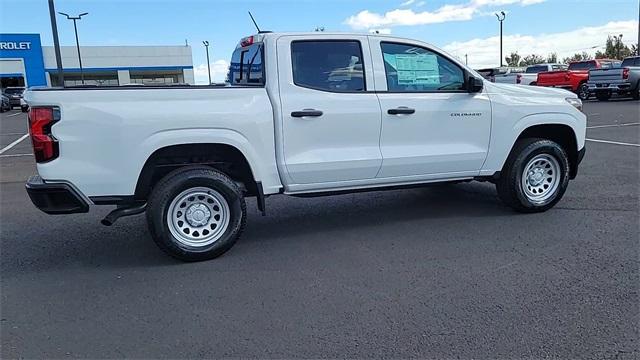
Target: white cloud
219 70
485 52
408 2
406 17
421 3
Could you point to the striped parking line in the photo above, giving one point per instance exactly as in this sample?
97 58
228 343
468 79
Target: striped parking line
16 114
613 142
612 125
14 155
8 147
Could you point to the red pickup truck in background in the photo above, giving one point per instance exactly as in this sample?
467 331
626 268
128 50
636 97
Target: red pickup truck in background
576 76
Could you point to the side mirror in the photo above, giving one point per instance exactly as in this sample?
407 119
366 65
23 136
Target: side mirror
474 85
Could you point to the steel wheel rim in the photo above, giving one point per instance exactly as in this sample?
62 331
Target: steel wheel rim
198 217
541 178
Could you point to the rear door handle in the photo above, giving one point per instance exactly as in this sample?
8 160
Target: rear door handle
402 110
306 113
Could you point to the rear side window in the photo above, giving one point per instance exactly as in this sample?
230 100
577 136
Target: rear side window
335 66
536 69
247 66
415 69
584 65
634 61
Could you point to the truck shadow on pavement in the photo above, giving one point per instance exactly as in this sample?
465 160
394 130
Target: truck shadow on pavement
80 240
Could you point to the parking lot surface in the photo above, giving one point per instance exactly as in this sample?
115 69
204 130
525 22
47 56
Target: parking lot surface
443 271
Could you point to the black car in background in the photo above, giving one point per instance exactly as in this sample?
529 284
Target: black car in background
14 94
5 105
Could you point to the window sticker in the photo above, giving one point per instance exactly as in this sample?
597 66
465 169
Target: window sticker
415 69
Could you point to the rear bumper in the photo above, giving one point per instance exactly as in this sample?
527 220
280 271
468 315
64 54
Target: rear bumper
613 86
55 198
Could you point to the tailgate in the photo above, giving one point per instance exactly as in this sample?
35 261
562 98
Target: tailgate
598 76
553 78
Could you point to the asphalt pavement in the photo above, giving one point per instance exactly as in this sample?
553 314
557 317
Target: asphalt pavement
438 272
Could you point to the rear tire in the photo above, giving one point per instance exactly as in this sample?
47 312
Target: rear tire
603 96
196 214
636 93
535 176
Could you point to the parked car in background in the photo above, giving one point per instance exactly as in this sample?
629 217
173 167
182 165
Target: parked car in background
501 75
576 76
14 94
5 105
530 75
623 80
23 105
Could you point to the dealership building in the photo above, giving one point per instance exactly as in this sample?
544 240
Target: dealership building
25 62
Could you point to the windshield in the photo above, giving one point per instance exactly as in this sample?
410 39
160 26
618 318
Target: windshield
14 91
247 66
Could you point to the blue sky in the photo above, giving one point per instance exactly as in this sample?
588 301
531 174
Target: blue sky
459 26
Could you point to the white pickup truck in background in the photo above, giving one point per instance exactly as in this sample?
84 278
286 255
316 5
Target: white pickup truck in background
304 115
530 75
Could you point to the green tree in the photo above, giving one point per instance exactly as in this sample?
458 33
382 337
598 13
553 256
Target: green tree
513 59
578 57
552 58
532 60
615 49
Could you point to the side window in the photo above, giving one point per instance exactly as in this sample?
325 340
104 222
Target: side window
415 69
335 66
246 66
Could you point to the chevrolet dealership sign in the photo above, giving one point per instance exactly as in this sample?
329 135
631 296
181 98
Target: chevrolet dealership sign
26 48
13 45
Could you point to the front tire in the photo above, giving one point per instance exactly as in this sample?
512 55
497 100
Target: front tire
535 176
196 214
583 91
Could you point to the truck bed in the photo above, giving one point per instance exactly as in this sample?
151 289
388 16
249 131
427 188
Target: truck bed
105 134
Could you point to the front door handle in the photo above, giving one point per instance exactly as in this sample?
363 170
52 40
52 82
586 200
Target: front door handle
306 113
402 110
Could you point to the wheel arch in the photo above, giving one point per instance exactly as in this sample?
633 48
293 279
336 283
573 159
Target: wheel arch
560 133
226 158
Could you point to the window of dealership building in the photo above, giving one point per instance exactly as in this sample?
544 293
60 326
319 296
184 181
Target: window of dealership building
25 62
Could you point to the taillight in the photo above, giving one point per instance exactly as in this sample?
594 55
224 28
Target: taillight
518 79
625 73
45 146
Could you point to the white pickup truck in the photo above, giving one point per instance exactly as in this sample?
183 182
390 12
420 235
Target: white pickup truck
303 115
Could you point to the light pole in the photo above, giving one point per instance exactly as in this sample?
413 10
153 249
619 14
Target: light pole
501 19
75 28
56 43
618 45
206 45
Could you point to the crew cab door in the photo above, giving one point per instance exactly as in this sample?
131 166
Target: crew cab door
432 127
330 122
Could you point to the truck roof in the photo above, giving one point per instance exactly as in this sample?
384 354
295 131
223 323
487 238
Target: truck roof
331 33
